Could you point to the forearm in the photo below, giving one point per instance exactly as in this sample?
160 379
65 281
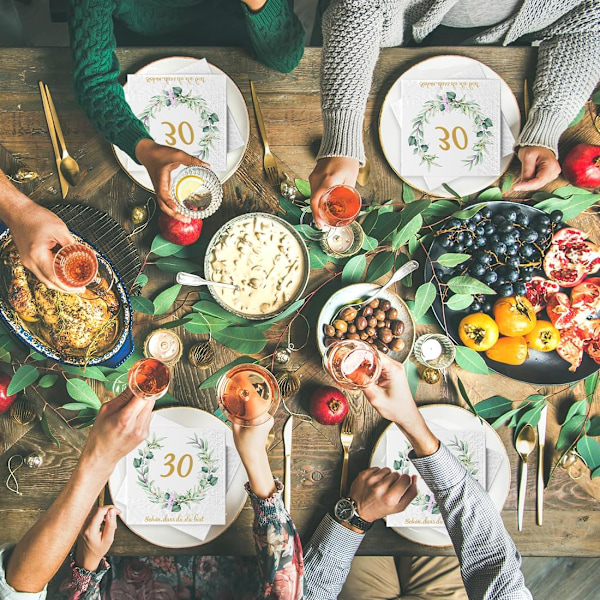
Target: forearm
567 73
96 71
352 35
38 556
276 34
11 199
490 563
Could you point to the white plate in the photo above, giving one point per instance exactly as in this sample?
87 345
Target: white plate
164 535
356 293
442 67
448 416
235 103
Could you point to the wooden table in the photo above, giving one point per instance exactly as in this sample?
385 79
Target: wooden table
292 112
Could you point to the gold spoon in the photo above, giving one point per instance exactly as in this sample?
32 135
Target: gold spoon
68 165
524 444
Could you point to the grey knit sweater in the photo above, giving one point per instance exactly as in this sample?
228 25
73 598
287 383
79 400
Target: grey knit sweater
568 66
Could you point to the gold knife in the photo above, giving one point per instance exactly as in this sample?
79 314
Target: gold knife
287 473
540 466
64 186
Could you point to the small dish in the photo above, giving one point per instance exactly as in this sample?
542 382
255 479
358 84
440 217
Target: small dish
357 293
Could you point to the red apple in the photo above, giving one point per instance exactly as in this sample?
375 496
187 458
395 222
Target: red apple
5 401
328 405
581 166
179 232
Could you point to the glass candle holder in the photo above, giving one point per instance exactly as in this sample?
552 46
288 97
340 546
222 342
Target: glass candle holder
196 191
435 350
165 345
248 394
342 242
352 364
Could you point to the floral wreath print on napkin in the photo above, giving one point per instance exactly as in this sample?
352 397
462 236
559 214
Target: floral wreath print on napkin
173 501
174 96
447 101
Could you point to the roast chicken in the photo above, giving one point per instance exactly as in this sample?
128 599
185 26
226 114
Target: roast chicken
71 324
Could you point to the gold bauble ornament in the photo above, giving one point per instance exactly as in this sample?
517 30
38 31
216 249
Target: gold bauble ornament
23 411
430 375
139 215
282 356
23 175
289 384
568 460
202 355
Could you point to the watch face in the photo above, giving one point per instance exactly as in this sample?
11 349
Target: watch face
344 509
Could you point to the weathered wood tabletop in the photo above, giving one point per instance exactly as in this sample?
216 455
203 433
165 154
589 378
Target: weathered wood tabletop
292 114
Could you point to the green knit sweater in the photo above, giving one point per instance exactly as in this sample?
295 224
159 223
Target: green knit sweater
275 34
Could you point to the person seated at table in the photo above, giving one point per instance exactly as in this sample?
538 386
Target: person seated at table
490 564
355 30
268 27
26 569
279 551
35 231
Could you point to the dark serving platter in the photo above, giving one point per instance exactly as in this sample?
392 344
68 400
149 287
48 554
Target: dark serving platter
543 368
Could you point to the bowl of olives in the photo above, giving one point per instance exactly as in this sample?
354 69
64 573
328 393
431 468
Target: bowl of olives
386 322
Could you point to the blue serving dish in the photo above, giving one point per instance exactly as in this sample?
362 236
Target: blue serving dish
121 349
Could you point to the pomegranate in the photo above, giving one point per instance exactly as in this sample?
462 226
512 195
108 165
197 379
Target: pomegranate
178 232
585 298
560 312
581 166
539 291
328 405
570 347
571 257
5 400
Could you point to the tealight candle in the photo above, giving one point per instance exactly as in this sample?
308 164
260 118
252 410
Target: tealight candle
431 350
164 345
340 239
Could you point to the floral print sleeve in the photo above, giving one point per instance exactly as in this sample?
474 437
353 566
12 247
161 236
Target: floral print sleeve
278 548
82 584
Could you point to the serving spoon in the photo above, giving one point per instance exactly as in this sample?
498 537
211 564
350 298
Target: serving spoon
196 281
524 444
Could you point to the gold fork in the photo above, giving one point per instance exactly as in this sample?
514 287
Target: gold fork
269 161
346 437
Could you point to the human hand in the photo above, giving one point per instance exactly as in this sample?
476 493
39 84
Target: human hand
159 162
337 170
96 537
121 425
251 441
382 492
36 231
539 166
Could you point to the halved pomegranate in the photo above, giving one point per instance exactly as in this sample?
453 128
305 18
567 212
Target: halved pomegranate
570 347
539 291
571 257
589 332
585 298
560 312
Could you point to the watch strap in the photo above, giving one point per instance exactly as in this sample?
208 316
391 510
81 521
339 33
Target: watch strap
361 524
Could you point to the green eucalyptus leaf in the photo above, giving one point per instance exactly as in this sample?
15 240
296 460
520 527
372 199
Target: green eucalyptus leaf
33 355
494 407
80 391
290 310
354 269
596 97
116 382
412 374
141 280
467 213
387 225
74 406
402 259
177 322
142 305
577 408
502 419
440 209
470 360
426 319
410 211
452 259
414 244
594 429
381 265
172 264
246 340
578 117
166 400
460 301
24 376
209 324
369 244
46 429
48 381
570 431
408 194
164 301
570 207
88 372
529 417
206 307
303 187
493 193
424 297
451 191
195 250
408 231
290 209
370 221
507 183
214 378
589 449
465 396
308 232
318 258
463 284
595 473
162 247
591 383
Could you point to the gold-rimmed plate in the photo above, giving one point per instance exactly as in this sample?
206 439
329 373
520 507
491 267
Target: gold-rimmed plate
442 68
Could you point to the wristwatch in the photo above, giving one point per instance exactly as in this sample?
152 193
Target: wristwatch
346 513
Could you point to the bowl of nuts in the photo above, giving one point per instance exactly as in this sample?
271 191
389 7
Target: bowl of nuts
385 322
